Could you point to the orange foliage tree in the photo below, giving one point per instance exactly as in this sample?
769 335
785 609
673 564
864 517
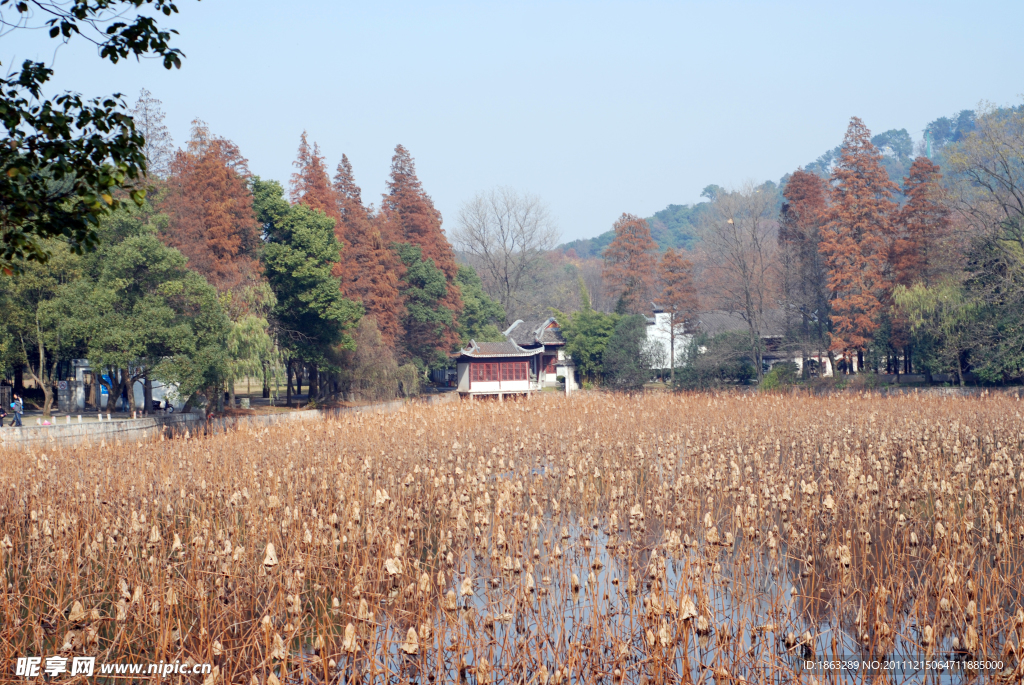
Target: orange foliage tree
923 224
854 241
209 206
369 269
408 215
678 297
630 264
311 184
804 211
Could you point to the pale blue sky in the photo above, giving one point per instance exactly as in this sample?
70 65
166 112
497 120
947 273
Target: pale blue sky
600 107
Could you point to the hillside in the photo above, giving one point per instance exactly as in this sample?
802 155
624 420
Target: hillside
676 225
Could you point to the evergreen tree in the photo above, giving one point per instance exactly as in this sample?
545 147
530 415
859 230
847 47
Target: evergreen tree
854 241
210 211
311 315
369 270
146 316
29 311
427 320
678 297
481 315
586 332
408 216
627 357
630 264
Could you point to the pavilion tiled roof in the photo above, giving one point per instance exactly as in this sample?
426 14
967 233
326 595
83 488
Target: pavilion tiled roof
508 348
535 332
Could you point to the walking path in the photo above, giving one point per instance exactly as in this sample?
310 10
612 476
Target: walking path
122 428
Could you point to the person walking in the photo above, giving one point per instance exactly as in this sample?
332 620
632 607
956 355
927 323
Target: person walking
19 408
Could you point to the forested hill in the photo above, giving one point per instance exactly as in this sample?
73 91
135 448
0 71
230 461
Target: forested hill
676 225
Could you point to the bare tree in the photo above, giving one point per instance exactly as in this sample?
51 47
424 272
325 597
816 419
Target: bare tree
504 234
740 240
149 121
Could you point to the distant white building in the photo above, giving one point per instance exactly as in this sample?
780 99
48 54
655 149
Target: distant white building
659 336
717 322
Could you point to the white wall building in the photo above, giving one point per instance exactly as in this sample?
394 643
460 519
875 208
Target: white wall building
659 336
715 322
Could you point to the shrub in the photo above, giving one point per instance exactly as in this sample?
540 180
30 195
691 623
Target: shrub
408 377
782 375
713 362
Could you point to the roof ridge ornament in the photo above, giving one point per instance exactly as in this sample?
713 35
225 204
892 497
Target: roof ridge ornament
508 331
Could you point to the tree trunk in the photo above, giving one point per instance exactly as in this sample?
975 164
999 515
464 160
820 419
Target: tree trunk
128 389
266 381
832 363
756 354
672 359
40 380
231 393
94 393
220 398
19 380
288 391
860 361
147 395
314 383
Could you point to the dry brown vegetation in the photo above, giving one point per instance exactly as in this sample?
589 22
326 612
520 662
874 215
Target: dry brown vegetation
586 539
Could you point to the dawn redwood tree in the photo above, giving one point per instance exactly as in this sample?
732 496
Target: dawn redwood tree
678 298
923 224
854 241
369 270
311 184
408 216
804 211
919 231
630 264
210 214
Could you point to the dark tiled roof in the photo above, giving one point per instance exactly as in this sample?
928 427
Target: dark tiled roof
552 335
496 349
535 332
522 332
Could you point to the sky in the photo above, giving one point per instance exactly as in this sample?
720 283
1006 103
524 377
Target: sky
598 108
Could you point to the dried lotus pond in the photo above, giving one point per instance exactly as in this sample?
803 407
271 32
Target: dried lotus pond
592 539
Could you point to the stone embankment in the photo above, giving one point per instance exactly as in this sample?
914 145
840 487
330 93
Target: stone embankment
176 425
